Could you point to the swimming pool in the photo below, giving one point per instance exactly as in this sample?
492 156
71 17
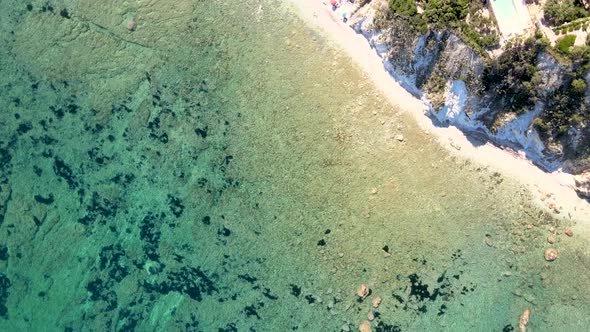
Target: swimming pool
504 10
512 16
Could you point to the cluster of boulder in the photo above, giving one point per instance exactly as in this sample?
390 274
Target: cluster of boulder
363 292
551 254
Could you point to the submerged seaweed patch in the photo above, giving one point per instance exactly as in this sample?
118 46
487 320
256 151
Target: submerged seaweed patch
150 234
113 261
202 132
206 220
5 158
252 310
295 290
248 278
230 327
99 208
44 200
4 292
269 295
176 206
3 253
420 294
224 232
383 327
65 172
190 281
24 127
101 291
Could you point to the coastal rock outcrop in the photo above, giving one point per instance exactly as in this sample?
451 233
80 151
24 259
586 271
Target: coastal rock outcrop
582 182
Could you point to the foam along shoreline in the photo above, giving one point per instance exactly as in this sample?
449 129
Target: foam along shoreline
555 190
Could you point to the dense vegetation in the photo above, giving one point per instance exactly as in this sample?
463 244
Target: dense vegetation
558 12
403 7
564 43
464 17
565 109
444 13
514 76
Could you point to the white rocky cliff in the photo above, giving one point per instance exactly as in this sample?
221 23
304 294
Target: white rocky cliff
446 73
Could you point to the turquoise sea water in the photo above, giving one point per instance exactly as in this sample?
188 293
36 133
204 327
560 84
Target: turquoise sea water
223 168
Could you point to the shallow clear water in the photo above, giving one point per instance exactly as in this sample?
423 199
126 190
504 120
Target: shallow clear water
223 168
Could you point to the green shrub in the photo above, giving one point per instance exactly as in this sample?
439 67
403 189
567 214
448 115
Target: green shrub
564 44
445 13
514 74
540 125
403 7
561 11
562 130
565 107
576 119
578 86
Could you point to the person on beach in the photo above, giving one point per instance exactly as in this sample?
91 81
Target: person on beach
334 4
344 18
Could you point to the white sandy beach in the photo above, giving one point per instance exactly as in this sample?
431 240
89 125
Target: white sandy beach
558 185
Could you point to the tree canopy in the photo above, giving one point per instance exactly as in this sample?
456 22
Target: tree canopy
558 12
